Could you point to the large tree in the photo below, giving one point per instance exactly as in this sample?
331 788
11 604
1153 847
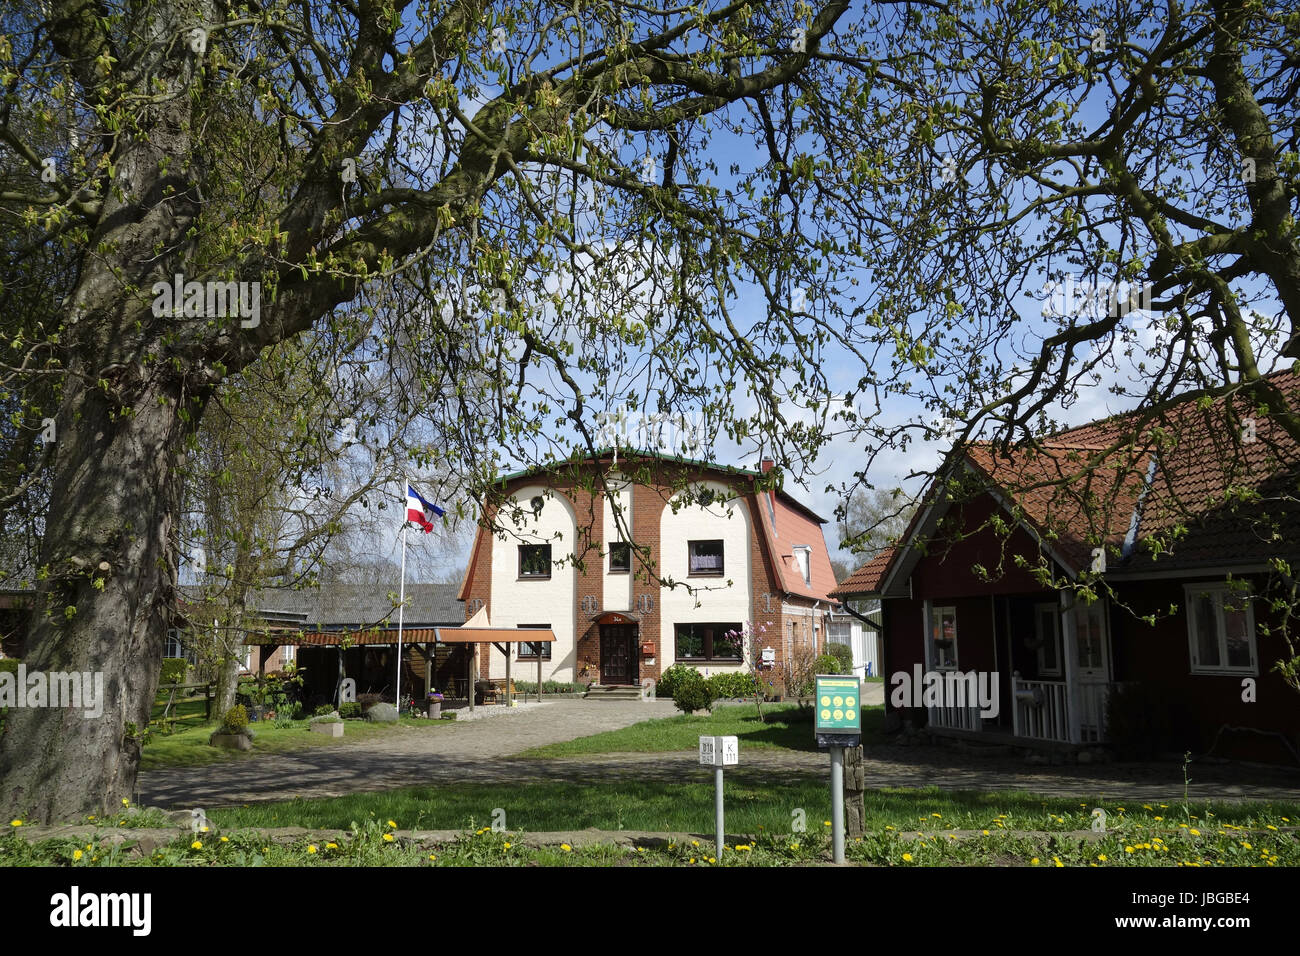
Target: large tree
474 151
705 210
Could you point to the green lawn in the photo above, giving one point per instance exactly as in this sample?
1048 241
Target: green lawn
189 747
755 802
785 726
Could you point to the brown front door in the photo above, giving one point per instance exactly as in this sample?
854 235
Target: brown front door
618 662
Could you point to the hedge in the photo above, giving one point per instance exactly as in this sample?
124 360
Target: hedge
174 670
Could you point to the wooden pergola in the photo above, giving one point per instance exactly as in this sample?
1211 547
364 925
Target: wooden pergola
501 638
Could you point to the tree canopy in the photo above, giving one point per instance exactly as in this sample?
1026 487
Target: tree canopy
733 211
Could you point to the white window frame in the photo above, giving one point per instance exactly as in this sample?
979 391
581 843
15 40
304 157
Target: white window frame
1220 592
803 558
934 618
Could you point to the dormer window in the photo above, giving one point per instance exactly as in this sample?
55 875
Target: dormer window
803 558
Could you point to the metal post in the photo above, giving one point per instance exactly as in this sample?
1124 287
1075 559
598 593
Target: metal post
717 808
837 804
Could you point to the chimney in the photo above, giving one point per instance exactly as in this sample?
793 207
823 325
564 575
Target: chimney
766 465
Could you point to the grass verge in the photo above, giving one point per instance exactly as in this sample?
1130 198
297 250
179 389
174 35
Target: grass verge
785 726
189 747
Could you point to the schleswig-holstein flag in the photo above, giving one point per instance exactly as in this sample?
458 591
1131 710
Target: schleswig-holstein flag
419 510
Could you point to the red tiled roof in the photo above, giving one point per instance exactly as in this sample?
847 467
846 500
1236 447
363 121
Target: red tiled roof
410 635
1187 490
866 579
794 526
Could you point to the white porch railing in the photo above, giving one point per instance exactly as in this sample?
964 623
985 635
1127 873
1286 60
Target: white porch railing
1040 709
952 717
1092 712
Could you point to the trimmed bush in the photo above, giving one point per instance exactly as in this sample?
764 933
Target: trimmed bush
826 664
236 719
329 717
692 694
672 678
842 653
324 709
732 684
349 709
174 670
382 713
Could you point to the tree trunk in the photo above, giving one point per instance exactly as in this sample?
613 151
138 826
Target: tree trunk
104 606
227 683
855 782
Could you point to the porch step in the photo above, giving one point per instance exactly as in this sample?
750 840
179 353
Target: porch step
613 692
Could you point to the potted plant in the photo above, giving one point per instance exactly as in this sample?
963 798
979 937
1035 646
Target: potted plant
433 704
330 724
233 733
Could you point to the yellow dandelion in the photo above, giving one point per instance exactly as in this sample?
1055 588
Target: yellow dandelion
1270 826
1057 861
225 839
826 823
712 860
508 846
1194 832
126 802
331 846
196 845
1101 857
432 857
1034 861
985 832
566 848
794 846
388 838
15 823
1128 849
937 816
77 854
311 848
392 824
889 828
907 858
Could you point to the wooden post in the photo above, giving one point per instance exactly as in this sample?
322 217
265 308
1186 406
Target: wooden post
207 700
473 655
539 675
428 671
509 696
855 777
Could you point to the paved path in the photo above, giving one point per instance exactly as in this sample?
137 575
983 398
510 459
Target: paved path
479 751
461 750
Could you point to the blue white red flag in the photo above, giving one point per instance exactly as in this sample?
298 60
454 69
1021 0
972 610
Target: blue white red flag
419 510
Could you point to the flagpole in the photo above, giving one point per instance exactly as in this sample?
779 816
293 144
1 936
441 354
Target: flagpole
401 607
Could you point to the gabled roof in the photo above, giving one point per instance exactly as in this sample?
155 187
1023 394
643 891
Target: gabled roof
866 579
334 606
1208 497
784 522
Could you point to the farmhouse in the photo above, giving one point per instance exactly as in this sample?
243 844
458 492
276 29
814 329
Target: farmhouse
1136 594
638 562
